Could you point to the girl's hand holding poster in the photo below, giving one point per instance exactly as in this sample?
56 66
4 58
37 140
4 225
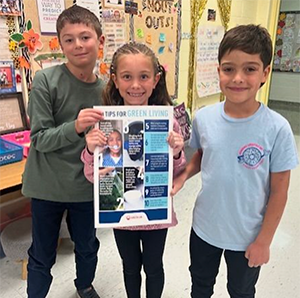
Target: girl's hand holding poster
133 171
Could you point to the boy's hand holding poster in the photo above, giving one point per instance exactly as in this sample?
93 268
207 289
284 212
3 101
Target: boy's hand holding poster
133 171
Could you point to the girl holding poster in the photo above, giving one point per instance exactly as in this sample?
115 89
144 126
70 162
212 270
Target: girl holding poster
138 79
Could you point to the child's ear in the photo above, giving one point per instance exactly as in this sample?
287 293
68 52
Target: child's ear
266 73
114 78
156 79
101 42
61 46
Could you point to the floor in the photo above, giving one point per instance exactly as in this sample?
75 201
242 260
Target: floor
278 279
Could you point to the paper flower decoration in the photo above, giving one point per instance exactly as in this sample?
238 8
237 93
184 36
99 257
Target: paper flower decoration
32 41
29 39
103 68
24 63
100 54
54 44
282 16
12 46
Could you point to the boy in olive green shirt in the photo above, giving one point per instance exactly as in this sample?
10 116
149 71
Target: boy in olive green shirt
60 111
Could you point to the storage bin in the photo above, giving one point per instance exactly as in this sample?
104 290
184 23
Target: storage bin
9 152
21 138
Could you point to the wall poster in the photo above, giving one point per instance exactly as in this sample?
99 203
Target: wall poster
7 77
133 172
49 10
207 79
287 45
114 30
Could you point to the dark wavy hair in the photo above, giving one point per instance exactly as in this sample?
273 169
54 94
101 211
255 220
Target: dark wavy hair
251 39
159 96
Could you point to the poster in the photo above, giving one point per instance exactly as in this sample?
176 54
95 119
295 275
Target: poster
287 45
7 77
183 120
10 7
48 11
92 5
114 30
133 172
207 79
5 53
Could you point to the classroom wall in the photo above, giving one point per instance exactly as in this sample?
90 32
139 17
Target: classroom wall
285 86
242 12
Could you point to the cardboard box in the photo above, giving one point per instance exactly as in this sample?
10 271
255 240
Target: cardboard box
21 138
13 210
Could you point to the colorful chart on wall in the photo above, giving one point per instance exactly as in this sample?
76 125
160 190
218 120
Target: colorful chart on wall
158 24
287 46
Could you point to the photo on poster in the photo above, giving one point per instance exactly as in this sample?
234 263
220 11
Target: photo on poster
131 7
211 15
114 3
7 77
111 188
10 7
132 171
111 155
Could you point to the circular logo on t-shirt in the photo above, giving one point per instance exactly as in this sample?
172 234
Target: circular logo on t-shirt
251 156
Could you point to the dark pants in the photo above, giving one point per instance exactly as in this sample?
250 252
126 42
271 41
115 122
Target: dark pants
205 262
46 221
142 248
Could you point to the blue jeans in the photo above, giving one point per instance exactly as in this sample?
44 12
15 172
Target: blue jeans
46 221
142 249
204 268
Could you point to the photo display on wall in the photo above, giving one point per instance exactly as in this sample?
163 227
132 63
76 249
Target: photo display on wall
287 45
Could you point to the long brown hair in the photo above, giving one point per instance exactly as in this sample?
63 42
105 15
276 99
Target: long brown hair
159 96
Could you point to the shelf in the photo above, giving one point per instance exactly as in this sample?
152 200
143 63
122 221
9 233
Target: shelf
11 174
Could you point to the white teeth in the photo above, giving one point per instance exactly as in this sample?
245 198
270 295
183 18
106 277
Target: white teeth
136 94
116 147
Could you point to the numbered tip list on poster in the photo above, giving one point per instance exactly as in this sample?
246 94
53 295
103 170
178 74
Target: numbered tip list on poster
138 191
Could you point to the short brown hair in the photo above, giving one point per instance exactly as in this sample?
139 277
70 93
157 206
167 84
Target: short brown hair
251 39
76 15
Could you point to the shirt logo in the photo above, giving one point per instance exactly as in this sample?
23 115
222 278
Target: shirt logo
252 156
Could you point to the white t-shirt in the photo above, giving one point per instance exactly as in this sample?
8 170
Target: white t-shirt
238 156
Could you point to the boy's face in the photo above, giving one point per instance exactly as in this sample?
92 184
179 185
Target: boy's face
241 75
80 44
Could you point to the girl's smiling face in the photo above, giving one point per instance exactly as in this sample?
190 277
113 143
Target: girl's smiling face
135 78
114 143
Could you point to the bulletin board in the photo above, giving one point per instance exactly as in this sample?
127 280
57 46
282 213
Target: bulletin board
287 45
156 23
